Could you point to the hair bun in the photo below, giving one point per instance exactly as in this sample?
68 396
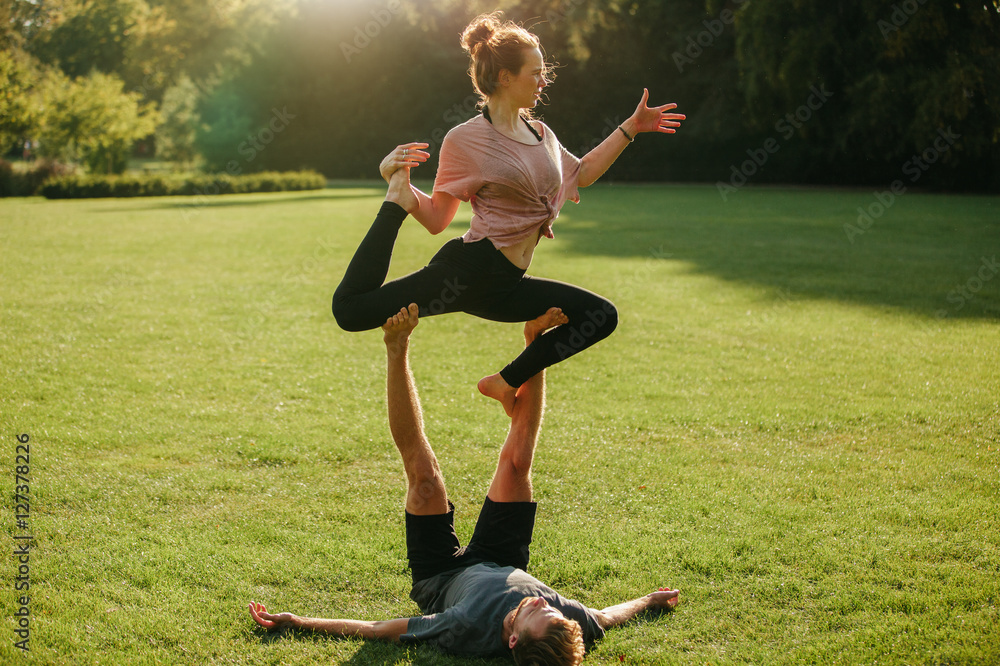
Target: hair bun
480 30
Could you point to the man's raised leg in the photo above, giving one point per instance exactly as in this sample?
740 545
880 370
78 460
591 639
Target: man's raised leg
512 479
425 494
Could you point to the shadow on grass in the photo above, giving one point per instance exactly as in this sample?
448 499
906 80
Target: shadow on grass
929 254
371 652
374 652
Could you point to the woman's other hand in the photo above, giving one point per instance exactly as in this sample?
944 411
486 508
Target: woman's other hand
655 119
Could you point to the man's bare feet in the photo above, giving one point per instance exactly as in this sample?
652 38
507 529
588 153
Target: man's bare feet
532 329
495 387
399 326
400 192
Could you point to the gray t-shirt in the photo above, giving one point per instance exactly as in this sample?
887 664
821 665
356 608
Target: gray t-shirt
465 609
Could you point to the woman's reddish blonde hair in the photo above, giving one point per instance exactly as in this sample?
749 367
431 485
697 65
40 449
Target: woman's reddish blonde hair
494 45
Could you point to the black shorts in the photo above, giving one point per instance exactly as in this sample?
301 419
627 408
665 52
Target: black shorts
502 536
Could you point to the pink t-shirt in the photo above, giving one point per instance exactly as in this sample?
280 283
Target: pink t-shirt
514 188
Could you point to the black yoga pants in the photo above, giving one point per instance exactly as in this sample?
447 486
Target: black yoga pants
475 278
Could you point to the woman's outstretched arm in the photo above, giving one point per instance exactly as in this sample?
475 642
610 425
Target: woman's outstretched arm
435 211
645 119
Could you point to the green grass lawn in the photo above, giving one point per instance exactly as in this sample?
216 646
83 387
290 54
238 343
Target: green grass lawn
799 431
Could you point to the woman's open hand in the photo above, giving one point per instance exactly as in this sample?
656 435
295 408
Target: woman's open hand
655 119
403 156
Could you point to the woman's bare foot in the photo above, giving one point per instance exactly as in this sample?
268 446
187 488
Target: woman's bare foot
400 192
495 387
554 317
399 326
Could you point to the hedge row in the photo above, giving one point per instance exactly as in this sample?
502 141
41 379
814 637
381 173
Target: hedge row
150 185
28 181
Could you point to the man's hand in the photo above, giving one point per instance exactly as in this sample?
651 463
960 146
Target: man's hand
663 598
387 630
272 620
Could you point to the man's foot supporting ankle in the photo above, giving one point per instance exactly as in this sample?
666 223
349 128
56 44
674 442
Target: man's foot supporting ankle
554 317
399 191
497 388
398 327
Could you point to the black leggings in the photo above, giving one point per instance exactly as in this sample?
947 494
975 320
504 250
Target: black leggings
469 277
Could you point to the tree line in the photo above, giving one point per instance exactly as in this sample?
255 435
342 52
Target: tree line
858 92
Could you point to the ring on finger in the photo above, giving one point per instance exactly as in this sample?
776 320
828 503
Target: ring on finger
405 151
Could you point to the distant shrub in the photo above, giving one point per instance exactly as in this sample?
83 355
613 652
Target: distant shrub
153 185
10 182
26 183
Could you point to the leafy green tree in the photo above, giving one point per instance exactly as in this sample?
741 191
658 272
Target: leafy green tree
176 135
93 120
285 84
17 115
151 44
682 51
101 35
360 79
18 73
898 72
225 128
207 41
19 21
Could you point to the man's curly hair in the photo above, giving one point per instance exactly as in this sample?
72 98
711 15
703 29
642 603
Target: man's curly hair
562 645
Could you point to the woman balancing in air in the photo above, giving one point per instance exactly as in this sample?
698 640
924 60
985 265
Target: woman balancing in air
517 176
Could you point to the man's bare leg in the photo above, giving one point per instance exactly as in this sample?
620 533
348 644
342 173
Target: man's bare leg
425 493
512 479
497 388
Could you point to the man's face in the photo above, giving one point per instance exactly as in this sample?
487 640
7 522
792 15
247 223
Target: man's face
534 616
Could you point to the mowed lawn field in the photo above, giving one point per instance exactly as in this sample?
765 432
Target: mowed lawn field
797 424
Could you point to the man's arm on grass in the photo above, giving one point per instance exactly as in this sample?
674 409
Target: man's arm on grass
385 630
662 599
